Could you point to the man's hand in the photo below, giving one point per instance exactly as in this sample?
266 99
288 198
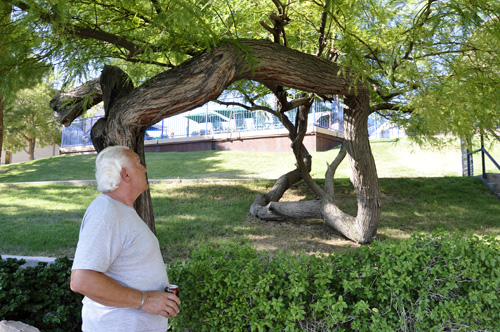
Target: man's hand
102 289
161 303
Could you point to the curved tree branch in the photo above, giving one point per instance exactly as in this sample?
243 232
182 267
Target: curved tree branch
387 106
96 33
331 169
72 104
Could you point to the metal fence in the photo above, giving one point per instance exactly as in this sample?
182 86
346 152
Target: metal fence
380 127
210 121
78 133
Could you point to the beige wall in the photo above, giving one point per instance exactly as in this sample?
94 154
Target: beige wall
317 139
45 152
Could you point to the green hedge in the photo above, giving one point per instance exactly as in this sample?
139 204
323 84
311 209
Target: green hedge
39 296
425 283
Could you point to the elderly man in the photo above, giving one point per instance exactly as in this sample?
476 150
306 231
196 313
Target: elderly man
118 265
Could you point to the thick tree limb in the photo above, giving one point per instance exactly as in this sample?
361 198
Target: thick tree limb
364 173
72 104
330 172
385 107
291 210
205 77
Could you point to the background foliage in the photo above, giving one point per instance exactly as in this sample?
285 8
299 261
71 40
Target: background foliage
435 282
29 120
426 283
39 296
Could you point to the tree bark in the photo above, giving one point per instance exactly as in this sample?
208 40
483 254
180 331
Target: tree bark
70 105
1 125
31 148
205 77
130 111
284 182
5 13
361 228
364 172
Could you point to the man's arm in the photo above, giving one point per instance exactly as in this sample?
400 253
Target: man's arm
104 290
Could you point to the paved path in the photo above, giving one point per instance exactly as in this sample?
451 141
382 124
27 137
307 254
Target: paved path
93 182
31 260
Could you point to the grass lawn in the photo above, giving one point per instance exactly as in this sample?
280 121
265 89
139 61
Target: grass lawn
421 192
393 158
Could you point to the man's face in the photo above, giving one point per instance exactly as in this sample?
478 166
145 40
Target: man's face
137 173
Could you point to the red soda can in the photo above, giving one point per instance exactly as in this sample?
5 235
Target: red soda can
172 289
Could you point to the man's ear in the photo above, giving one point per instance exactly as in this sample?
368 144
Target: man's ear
124 175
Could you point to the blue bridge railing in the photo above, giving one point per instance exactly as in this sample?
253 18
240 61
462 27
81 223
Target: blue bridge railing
213 119
207 121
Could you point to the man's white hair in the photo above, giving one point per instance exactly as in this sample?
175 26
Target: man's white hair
108 166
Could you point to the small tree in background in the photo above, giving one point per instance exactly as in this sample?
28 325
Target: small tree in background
22 64
29 120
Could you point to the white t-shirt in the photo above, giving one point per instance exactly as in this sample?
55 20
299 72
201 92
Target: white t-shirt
114 240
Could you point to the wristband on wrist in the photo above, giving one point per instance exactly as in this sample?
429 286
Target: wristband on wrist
142 301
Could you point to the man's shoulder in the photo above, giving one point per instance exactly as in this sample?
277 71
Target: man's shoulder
103 202
99 209
105 210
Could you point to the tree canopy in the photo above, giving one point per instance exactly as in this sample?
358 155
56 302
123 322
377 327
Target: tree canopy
412 53
29 120
21 66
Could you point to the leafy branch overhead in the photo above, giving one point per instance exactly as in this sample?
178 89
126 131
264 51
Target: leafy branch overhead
408 51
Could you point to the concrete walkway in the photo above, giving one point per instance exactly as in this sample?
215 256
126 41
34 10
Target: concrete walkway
31 260
151 181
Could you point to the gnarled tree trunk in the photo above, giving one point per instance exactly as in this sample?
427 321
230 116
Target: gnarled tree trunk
361 228
129 111
1 126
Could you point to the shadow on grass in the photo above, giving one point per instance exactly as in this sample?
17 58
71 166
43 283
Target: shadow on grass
188 216
160 165
426 205
409 205
204 213
42 220
46 219
452 204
